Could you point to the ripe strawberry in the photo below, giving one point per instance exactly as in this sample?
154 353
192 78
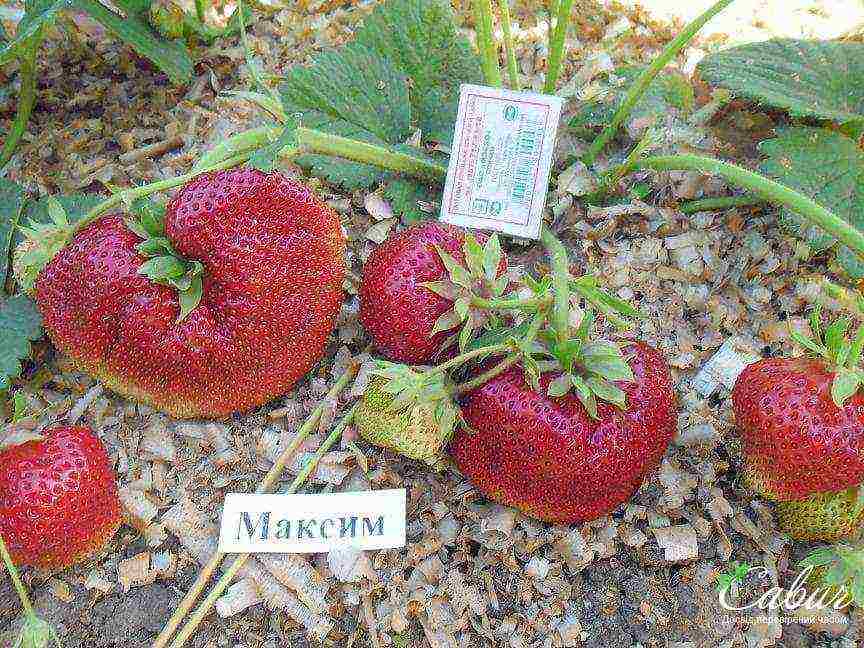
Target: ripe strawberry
418 286
547 455
58 498
267 259
406 412
802 428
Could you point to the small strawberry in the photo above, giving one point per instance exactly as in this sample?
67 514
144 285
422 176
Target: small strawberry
424 283
58 498
802 428
218 307
822 516
564 457
408 412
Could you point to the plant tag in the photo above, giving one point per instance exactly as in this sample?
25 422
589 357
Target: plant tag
724 367
501 159
312 523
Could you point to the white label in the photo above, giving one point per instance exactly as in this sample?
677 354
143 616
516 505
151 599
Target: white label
724 367
313 523
501 158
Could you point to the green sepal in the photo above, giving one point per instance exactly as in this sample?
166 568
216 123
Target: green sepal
153 247
162 269
37 633
456 271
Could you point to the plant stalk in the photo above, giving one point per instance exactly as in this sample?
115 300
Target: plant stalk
716 204
768 190
222 584
16 580
486 43
467 357
509 47
486 376
265 486
634 94
560 270
556 45
26 101
511 303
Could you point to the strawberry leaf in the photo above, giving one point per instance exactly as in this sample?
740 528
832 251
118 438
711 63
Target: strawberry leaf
846 383
809 78
405 196
265 158
828 167
12 199
20 324
39 14
492 255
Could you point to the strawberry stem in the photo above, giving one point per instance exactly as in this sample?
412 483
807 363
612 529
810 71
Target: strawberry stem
486 376
222 584
486 43
560 270
16 580
467 356
512 303
509 49
556 45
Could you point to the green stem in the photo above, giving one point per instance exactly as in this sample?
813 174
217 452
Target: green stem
511 303
200 9
466 357
327 144
26 100
16 580
486 43
560 270
768 190
509 48
228 576
615 174
715 204
486 376
556 46
641 85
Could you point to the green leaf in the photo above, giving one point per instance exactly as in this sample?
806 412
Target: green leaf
171 57
12 199
585 395
807 343
156 246
420 38
75 206
605 359
809 78
606 391
458 274
846 383
355 93
404 196
151 215
822 164
190 298
162 269
20 324
40 14
492 257
835 334
265 158
668 91
559 386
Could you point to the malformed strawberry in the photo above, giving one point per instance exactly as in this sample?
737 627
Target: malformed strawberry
424 283
561 456
801 422
218 309
58 498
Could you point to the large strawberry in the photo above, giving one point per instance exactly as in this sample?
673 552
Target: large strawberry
421 284
802 428
221 309
565 457
58 498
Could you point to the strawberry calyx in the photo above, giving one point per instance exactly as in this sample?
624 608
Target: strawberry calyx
844 569
164 265
42 242
834 346
411 389
474 287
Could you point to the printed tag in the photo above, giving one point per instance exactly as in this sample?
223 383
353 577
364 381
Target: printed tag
724 367
313 523
501 158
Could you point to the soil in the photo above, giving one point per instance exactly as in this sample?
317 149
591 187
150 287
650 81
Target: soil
474 573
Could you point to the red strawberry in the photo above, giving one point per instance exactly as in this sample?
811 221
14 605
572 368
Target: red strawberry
549 457
58 498
271 255
802 429
796 440
409 289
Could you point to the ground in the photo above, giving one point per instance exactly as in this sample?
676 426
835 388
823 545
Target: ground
474 573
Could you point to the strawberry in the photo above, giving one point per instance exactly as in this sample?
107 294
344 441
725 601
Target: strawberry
822 516
218 309
58 498
422 284
800 421
564 457
408 412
